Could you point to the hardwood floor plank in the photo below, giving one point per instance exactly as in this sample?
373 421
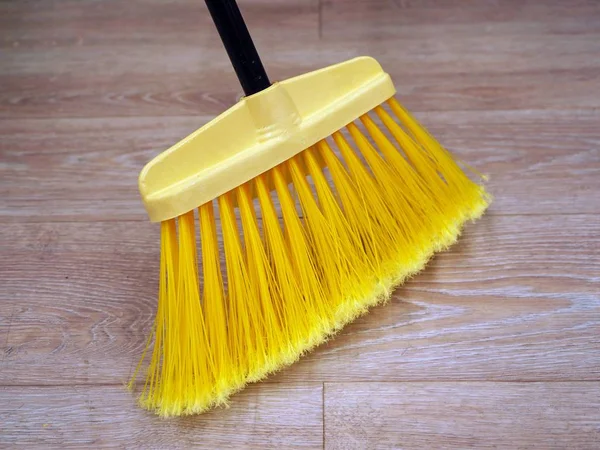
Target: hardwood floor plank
462 415
271 416
38 23
539 162
150 58
104 95
495 345
515 299
393 16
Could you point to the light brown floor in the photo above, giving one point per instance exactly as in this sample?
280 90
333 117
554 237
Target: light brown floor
496 344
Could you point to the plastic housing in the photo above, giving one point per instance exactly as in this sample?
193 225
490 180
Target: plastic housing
260 132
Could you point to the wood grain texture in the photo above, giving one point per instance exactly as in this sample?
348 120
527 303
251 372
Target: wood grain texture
516 299
539 162
86 59
150 58
461 415
103 416
495 345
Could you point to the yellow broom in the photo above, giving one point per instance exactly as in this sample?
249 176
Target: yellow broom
359 213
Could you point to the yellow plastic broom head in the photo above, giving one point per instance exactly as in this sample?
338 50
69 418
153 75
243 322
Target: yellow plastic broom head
313 199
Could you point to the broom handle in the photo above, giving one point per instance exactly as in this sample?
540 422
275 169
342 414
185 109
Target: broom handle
237 41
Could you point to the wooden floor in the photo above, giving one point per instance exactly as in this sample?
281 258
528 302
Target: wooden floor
495 345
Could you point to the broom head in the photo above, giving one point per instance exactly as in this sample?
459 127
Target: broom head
319 217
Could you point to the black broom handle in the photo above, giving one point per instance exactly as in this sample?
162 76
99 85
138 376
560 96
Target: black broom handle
237 41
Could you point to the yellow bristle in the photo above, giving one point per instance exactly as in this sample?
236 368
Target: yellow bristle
303 264
344 252
151 393
409 178
368 213
297 315
466 193
213 297
247 349
369 218
422 184
353 205
332 270
412 220
190 371
264 306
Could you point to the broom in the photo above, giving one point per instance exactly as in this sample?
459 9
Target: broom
361 208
